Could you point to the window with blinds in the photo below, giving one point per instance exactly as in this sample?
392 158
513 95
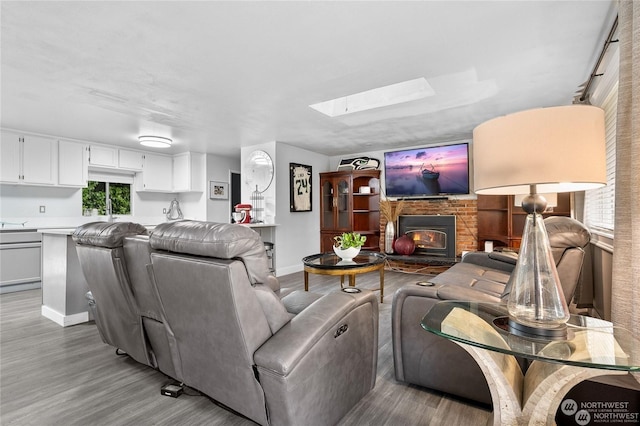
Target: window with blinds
600 203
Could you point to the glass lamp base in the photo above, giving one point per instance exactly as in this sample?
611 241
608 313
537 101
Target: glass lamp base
512 326
557 333
536 298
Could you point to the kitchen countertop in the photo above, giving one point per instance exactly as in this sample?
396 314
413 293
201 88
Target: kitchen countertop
58 231
66 226
69 231
258 225
14 230
40 224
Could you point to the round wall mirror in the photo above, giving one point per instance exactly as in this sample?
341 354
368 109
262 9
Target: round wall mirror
259 170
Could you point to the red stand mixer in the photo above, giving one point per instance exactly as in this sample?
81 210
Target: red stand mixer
242 213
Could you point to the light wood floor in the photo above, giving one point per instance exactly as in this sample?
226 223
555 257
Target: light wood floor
50 375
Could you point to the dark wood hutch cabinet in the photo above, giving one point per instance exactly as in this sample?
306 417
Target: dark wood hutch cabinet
501 221
344 207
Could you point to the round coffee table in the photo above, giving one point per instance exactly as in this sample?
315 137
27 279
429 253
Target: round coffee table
330 264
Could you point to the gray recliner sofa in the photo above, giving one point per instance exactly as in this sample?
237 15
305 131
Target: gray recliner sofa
297 360
197 301
424 359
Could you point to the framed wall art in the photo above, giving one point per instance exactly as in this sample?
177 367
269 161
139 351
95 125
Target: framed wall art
218 190
300 187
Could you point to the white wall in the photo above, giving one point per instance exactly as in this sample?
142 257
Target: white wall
149 204
297 234
218 169
270 193
25 201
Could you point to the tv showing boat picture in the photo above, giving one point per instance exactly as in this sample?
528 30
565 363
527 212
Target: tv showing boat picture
430 171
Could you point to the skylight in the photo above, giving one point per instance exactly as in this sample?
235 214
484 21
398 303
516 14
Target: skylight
393 94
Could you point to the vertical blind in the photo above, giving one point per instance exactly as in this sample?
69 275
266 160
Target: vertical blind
600 203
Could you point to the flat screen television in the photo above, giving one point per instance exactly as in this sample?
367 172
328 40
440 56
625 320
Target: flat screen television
437 170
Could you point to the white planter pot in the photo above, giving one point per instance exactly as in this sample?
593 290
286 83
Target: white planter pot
346 254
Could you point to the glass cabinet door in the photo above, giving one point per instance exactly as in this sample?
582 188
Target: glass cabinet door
343 204
327 205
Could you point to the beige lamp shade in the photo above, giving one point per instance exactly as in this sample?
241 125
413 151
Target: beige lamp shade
558 149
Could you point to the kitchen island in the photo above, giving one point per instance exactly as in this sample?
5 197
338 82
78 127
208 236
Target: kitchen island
63 283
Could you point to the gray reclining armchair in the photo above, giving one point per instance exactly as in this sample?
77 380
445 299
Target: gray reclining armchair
114 308
296 360
424 359
137 254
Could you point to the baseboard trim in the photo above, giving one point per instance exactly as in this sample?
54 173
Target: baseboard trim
12 288
64 320
289 270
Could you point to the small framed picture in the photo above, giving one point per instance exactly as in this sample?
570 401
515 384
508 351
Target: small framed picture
300 187
218 190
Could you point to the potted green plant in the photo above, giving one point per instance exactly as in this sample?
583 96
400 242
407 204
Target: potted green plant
348 245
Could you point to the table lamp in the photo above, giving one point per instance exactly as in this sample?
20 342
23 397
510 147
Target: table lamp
546 150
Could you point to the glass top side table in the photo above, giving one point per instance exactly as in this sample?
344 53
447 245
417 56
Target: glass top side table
593 348
330 264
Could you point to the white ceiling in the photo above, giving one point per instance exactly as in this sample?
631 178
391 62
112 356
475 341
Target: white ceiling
215 76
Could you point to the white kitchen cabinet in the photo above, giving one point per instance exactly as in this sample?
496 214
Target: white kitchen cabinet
157 173
10 157
73 164
130 160
28 159
39 160
189 172
20 260
103 156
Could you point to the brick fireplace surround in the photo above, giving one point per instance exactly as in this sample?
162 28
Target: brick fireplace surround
466 212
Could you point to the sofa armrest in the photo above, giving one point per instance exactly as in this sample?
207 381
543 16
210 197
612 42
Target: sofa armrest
503 261
319 365
427 290
298 300
282 352
451 292
426 359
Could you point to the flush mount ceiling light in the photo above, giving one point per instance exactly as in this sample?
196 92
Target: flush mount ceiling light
155 141
393 94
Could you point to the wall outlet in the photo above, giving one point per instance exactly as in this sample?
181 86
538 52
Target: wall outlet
42 209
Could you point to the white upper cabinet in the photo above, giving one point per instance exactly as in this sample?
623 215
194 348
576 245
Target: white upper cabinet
73 161
103 156
189 172
10 149
157 173
39 160
28 159
130 160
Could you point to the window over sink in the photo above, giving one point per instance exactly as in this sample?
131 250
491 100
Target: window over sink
96 194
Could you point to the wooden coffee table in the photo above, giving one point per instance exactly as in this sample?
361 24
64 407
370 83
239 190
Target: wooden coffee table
330 264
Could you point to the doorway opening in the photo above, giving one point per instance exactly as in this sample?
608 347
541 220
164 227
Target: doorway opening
235 191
